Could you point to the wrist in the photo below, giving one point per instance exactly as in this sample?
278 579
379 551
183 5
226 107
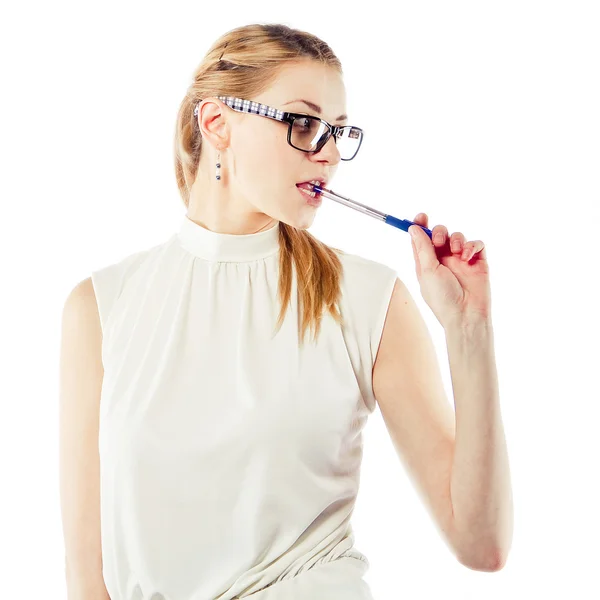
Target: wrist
469 323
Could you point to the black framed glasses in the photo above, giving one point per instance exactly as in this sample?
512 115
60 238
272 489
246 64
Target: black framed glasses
305 132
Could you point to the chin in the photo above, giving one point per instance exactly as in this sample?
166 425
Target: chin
300 221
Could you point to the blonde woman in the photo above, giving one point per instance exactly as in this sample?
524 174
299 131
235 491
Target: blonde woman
208 449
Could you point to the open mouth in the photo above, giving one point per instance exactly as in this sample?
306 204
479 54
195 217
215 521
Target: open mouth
309 189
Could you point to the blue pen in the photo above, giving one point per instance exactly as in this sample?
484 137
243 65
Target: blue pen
403 224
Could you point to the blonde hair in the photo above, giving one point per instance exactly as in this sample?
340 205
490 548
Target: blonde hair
253 56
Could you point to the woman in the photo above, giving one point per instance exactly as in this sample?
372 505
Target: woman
229 449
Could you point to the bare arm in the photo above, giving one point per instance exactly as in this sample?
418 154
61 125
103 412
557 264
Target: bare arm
81 374
480 481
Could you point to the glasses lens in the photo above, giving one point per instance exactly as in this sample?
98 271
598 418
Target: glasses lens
308 133
348 142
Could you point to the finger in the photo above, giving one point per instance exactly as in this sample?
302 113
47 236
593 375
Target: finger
472 248
416 257
425 255
439 235
422 218
457 241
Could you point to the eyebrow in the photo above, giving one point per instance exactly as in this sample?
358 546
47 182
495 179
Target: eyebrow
316 108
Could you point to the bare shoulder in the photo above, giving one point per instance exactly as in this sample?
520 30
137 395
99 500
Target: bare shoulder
83 289
81 303
403 321
81 328
406 369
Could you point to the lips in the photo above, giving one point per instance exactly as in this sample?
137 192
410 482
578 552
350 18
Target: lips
307 185
314 200
313 194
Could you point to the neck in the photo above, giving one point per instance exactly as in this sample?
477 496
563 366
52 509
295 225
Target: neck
213 205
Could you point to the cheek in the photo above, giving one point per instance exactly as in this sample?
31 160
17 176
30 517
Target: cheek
259 148
270 163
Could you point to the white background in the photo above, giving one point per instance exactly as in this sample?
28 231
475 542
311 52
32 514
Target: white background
484 115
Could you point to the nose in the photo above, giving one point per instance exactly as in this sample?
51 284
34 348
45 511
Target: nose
329 151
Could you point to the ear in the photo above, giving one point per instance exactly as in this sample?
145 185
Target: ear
212 121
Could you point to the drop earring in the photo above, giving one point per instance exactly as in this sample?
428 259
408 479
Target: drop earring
218 174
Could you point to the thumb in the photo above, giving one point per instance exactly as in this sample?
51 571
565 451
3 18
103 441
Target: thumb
424 248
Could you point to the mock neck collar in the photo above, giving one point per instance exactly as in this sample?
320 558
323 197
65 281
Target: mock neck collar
211 245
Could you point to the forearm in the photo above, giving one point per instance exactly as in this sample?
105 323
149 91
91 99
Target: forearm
480 485
85 584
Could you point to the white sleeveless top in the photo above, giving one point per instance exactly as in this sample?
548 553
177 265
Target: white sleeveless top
230 455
